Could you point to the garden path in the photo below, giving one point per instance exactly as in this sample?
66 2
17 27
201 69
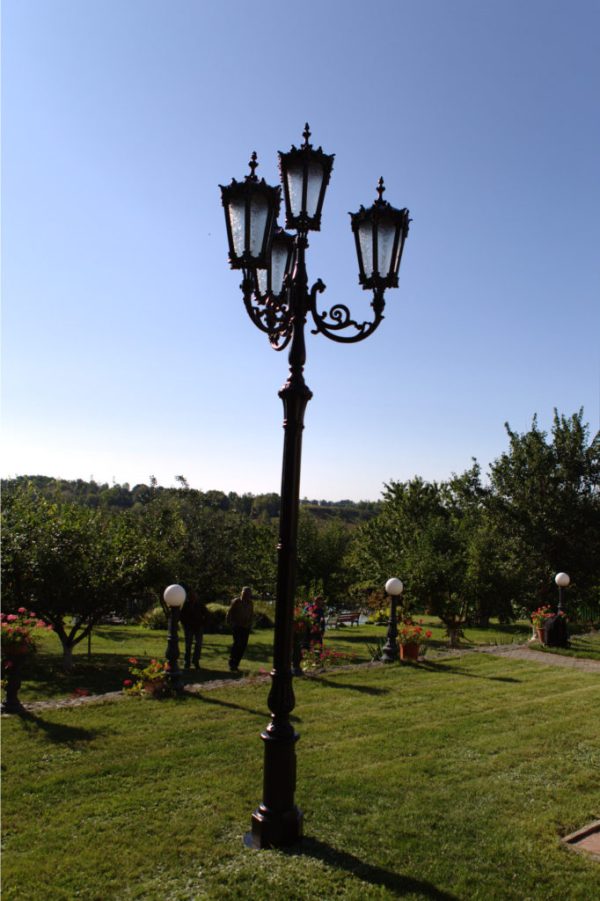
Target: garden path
522 652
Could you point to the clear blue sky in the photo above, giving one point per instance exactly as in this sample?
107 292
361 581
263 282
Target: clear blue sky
126 348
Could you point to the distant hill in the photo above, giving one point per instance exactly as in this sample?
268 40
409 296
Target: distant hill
122 496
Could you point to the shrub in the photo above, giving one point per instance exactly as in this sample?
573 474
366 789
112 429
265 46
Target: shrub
379 617
155 618
264 615
215 621
150 681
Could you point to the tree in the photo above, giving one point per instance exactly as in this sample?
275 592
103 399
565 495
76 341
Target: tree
545 506
415 536
70 563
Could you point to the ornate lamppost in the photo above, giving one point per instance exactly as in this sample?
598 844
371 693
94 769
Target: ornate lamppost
278 300
390 651
174 597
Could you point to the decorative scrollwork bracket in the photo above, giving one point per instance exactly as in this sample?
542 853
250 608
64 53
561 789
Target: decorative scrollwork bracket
339 318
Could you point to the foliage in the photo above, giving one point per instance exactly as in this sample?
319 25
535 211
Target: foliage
466 551
151 680
416 535
315 617
320 656
539 616
72 563
216 620
302 621
412 633
322 547
379 617
155 618
545 501
17 631
264 615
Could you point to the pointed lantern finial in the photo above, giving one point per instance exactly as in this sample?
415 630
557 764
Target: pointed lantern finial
253 163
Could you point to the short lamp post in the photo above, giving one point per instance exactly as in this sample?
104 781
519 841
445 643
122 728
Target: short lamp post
174 597
278 300
563 581
390 651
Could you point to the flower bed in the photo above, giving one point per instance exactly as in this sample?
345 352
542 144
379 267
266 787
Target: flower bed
18 631
148 681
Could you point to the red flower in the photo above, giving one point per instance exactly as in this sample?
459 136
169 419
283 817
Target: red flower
133 660
127 683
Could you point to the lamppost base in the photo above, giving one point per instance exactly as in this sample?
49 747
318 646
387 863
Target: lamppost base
390 653
12 707
272 829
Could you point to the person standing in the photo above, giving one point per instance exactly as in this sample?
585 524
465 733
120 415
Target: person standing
239 617
193 619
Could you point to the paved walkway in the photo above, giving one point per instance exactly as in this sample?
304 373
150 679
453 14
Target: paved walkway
515 652
522 652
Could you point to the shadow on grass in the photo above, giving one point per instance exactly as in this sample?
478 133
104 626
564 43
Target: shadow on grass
204 674
101 673
113 633
207 699
56 732
394 882
363 689
433 667
580 647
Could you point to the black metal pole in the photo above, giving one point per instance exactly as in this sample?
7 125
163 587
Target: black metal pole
172 652
277 821
390 652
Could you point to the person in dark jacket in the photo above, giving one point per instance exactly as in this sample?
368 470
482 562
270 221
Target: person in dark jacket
193 619
239 617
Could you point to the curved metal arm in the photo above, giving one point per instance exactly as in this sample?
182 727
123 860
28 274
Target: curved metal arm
340 318
270 317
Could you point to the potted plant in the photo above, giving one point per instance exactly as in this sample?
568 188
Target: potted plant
538 618
412 638
18 640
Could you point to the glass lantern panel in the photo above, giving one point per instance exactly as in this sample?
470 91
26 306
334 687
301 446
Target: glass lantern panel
261 278
279 255
294 182
365 239
396 265
313 191
385 245
236 219
258 223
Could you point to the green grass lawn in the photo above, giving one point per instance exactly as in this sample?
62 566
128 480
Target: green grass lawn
453 779
112 646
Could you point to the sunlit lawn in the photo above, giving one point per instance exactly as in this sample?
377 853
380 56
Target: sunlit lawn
452 779
112 646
